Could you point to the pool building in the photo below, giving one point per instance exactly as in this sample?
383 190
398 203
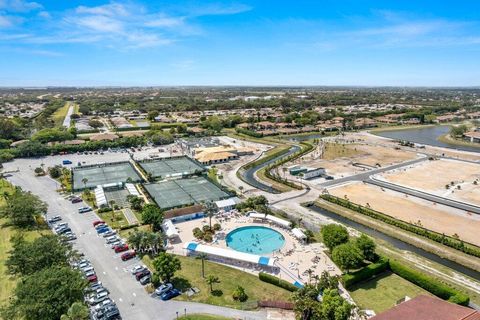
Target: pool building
232 257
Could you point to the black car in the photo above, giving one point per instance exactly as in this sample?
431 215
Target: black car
64 230
142 274
145 280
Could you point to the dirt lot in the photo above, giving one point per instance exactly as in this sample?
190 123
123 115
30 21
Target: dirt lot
433 176
439 218
338 159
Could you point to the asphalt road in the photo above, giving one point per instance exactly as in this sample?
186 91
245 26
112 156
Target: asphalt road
133 301
365 175
424 195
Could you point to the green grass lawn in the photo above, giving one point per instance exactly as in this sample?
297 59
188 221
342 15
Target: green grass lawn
230 278
114 219
201 316
381 293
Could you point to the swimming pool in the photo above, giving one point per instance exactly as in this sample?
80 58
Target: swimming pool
255 239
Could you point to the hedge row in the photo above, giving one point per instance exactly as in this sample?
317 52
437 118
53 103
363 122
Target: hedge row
428 283
365 273
432 235
249 132
265 277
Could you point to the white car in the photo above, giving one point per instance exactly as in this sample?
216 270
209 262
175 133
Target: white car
163 288
137 268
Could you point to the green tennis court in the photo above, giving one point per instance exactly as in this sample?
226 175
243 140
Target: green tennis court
176 193
92 176
168 167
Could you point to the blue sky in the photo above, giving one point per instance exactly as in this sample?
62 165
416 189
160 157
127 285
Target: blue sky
368 43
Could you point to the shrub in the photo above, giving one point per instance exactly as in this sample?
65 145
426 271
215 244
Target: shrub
208 237
365 273
265 277
197 233
104 209
217 226
428 283
206 228
239 294
334 235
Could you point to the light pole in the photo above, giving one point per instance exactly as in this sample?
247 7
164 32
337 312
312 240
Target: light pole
177 314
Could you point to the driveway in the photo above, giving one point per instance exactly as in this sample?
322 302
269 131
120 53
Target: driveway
133 301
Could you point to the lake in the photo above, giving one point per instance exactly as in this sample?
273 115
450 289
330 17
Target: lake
426 135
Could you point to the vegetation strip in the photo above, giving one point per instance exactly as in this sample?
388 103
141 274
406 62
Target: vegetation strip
432 235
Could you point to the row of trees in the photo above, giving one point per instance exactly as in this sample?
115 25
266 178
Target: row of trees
22 209
48 286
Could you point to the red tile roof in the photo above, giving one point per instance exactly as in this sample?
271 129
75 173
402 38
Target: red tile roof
428 308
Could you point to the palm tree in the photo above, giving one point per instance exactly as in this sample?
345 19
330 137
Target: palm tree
84 181
310 273
77 311
210 210
202 256
241 189
211 280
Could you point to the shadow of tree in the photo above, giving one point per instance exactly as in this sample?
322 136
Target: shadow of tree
217 293
181 284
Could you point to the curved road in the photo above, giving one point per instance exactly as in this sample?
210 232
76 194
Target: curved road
249 175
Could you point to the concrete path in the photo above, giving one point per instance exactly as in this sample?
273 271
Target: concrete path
66 121
130 216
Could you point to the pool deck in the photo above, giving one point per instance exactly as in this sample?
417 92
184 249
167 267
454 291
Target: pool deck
294 258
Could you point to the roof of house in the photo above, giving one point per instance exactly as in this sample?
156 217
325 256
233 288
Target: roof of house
104 136
428 308
472 134
183 211
212 156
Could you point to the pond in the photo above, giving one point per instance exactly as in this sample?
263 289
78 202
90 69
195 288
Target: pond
426 135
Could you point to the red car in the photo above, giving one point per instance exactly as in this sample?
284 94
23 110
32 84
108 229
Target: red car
128 255
92 278
121 248
97 222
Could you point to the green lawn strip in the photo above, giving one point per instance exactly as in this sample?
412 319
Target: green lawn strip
59 115
125 233
201 316
446 138
191 276
383 291
115 219
275 184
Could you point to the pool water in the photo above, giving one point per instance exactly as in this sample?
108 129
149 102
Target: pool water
255 239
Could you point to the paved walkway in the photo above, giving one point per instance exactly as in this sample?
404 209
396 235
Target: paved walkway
66 121
131 217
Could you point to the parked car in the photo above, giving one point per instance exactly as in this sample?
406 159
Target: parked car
111 239
92 278
170 294
163 288
76 200
54 219
138 268
103 230
128 255
63 230
145 280
142 274
109 233
84 209
101 225
121 248
97 222
116 243
66 162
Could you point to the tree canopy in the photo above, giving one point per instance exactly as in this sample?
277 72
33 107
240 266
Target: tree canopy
166 265
22 209
46 251
347 256
367 247
46 294
334 235
153 215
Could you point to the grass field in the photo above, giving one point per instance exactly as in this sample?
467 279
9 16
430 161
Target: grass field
7 283
199 316
338 150
381 293
230 278
115 219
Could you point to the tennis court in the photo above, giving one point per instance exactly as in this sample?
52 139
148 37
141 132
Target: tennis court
175 193
103 174
167 167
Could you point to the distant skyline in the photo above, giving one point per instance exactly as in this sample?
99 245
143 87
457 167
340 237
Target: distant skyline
245 43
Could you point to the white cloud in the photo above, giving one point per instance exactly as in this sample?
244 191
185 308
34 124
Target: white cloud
44 14
219 9
97 23
7 21
164 21
19 5
112 9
